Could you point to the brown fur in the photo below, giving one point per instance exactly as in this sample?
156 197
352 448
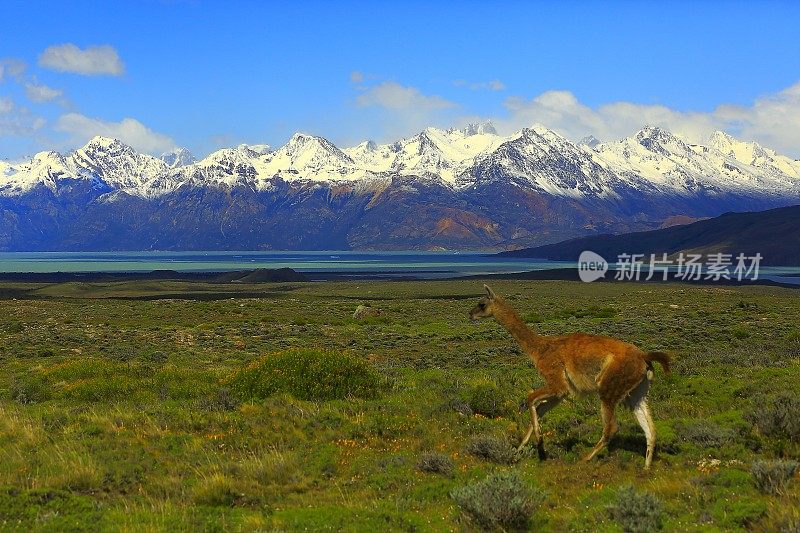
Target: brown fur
577 364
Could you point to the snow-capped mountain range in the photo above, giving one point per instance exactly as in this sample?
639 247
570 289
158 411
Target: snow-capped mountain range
536 157
477 187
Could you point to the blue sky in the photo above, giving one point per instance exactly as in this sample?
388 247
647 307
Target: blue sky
212 74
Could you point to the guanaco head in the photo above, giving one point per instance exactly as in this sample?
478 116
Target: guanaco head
485 307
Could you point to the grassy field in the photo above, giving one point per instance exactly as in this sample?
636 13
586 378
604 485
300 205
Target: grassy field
125 407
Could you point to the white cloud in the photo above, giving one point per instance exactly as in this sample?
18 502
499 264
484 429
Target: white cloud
401 110
392 95
128 130
93 60
773 120
493 85
561 111
11 67
18 121
496 85
35 91
356 76
41 93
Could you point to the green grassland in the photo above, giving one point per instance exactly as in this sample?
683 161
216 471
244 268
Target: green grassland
124 406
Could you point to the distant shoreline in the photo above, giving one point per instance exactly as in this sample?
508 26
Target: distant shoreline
264 275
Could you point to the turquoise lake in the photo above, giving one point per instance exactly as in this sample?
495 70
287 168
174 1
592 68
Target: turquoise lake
430 265
421 264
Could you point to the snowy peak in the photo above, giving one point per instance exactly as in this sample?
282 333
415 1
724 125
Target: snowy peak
304 149
179 157
45 168
365 147
432 153
229 167
482 128
656 158
100 151
752 154
660 141
445 153
119 166
258 149
309 157
589 141
721 140
106 144
542 159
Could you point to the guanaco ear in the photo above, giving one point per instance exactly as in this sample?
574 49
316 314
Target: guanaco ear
489 292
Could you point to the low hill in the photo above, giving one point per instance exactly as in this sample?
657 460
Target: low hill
774 233
259 275
262 275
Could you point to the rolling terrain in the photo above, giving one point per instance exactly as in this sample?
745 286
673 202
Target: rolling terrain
148 414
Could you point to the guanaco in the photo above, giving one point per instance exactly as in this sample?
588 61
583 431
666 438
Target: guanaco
580 363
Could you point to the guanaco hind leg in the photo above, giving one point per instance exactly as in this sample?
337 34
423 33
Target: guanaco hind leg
642 413
637 401
609 428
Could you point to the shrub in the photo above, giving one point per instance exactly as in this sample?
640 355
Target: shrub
101 389
156 357
728 479
705 434
492 448
783 518
637 512
487 400
793 336
533 318
307 374
81 473
123 354
459 406
273 468
47 509
223 400
13 327
740 332
83 369
216 490
592 311
778 416
737 513
772 477
435 463
501 501
27 389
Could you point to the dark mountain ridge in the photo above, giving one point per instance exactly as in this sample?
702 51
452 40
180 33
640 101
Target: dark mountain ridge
774 233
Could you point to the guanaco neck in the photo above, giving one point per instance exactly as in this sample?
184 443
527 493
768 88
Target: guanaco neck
530 342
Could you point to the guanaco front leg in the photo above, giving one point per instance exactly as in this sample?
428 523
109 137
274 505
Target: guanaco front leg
540 401
532 428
